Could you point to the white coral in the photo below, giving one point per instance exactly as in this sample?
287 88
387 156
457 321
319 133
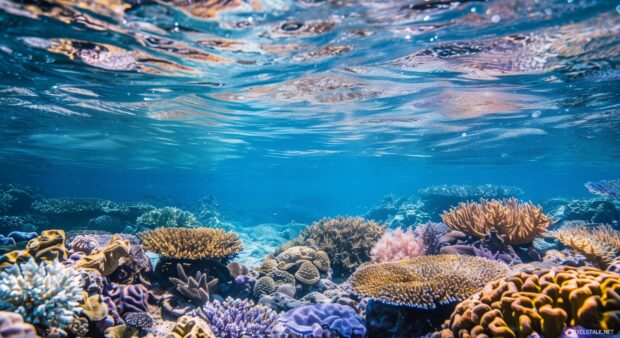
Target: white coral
48 294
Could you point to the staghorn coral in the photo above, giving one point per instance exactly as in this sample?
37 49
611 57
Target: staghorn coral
191 327
191 244
47 295
426 281
12 326
346 240
237 318
321 320
539 302
518 223
167 217
397 244
599 244
106 259
196 289
606 189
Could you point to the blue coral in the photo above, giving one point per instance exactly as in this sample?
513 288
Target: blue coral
607 189
237 318
318 320
47 295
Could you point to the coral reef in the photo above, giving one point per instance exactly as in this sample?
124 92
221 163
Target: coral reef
167 217
192 244
346 240
518 223
600 244
439 198
606 189
47 295
427 281
237 318
539 302
12 326
396 211
106 259
321 320
397 244
191 327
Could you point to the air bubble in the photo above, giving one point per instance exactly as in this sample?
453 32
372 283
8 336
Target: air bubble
495 18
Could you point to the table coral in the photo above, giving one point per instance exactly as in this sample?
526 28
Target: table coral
426 281
539 302
321 320
106 259
236 318
47 295
599 244
191 244
518 223
397 244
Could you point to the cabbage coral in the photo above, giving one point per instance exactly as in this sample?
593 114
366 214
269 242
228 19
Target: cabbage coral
397 244
47 295
191 244
518 223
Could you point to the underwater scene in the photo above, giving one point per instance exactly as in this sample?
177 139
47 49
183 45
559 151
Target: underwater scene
309 168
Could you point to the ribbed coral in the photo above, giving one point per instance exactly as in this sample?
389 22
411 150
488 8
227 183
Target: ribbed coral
539 302
47 295
192 244
599 244
426 281
517 223
238 318
397 244
346 240
106 259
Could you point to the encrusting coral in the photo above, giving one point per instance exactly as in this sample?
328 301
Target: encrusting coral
346 240
518 223
191 243
426 281
47 294
397 244
599 244
105 260
539 302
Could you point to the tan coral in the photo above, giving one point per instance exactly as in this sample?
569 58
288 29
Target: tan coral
600 244
539 302
106 259
298 254
308 274
518 223
122 331
93 307
192 244
426 281
50 245
269 264
191 327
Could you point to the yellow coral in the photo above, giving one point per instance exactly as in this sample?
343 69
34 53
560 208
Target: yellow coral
192 244
599 244
93 307
426 281
517 223
47 247
106 259
542 301
191 327
122 331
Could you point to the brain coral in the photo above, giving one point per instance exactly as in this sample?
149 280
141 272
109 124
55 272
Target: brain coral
426 281
346 240
192 244
599 244
397 244
47 295
518 223
542 301
167 217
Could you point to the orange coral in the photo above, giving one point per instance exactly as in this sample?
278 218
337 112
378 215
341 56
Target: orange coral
191 243
108 258
542 301
517 223
599 244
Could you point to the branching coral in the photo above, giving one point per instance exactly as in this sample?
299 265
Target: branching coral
397 244
518 223
167 217
47 295
539 302
238 318
192 244
427 281
106 259
599 244
346 240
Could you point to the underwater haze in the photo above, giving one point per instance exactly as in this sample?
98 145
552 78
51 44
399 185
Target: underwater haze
298 151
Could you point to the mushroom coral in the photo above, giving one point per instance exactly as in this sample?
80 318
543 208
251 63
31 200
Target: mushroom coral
518 223
426 281
191 243
539 302
599 244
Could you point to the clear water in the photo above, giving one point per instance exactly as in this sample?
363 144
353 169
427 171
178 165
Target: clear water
321 106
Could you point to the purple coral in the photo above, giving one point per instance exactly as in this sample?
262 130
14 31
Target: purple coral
128 298
607 189
319 320
237 318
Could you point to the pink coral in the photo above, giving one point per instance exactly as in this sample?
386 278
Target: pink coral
397 244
